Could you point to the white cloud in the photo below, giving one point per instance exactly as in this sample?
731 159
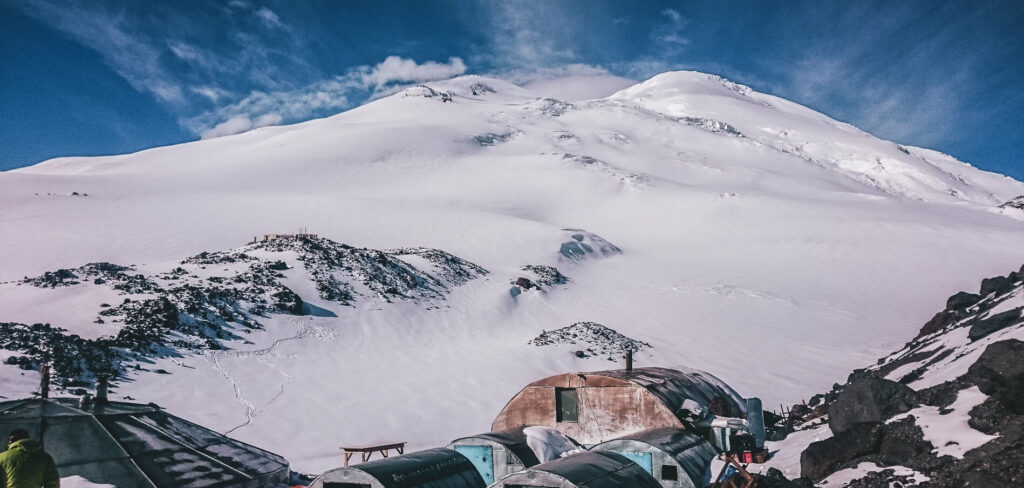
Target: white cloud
269 18
396 69
525 35
212 93
239 124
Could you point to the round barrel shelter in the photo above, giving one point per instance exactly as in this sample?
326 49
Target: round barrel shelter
432 468
130 445
677 458
497 454
604 405
584 470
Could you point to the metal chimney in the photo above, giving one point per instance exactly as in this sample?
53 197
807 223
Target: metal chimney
101 390
629 360
44 381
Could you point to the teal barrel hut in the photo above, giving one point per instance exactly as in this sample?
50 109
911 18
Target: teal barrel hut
498 454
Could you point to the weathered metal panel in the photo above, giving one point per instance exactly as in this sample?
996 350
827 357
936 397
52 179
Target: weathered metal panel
605 412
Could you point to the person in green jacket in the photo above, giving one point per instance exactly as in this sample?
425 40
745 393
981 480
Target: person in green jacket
26 465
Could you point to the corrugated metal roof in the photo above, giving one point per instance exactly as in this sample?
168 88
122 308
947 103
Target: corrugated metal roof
594 469
691 451
673 386
432 468
133 445
514 440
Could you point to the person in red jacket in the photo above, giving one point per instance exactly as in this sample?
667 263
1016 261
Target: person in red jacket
26 465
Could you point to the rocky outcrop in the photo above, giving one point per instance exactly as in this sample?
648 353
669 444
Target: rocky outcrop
594 339
823 458
870 400
878 420
999 372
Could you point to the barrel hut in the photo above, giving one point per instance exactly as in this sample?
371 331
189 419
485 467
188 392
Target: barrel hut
497 454
605 405
677 458
130 445
432 468
585 470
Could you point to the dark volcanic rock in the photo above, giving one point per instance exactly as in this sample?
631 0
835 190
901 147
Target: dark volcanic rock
940 321
997 285
986 326
822 458
869 399
961 301
903 444
999 372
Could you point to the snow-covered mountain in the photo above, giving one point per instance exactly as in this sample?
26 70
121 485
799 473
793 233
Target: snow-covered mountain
730 230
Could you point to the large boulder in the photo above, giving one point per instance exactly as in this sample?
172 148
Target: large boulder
962 300
999 372
823 458
988 325
997 285
869 399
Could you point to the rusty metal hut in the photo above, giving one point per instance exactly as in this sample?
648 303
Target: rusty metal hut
585 470
677 458
432 468
498 454
604 405
130 445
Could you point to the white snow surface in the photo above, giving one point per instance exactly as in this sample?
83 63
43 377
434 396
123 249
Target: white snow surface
761 241
845 476
950 433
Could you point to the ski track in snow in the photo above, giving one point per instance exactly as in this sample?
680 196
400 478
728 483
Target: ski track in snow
307 328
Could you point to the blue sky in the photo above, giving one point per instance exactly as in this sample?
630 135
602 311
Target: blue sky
107 77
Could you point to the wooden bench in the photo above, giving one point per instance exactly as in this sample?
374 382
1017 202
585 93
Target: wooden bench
366 451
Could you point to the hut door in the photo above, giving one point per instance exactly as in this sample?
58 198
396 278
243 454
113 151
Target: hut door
482 458
644 459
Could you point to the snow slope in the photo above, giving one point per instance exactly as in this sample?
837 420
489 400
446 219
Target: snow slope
760 241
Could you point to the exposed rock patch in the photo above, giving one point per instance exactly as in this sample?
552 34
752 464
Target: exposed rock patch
594 338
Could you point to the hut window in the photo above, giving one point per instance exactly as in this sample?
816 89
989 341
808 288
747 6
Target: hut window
566 405
669 472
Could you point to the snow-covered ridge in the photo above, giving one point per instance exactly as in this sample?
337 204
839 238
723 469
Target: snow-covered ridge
213 300
938 411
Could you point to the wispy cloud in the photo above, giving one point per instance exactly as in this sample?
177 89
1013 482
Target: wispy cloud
269 18
167 49
844 76
108 32
261 108
525 35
